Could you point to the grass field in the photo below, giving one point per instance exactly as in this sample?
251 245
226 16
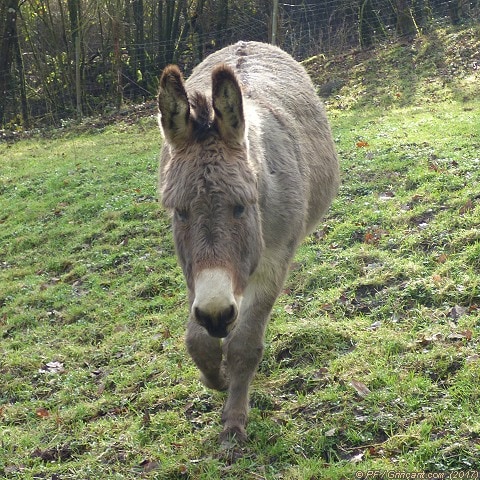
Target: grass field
372 359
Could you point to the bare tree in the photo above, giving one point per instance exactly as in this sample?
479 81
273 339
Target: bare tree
370 26
139 46
8 11
406 25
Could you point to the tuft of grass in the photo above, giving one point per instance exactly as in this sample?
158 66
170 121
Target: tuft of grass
372 354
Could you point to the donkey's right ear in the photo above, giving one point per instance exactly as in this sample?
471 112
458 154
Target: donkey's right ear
173 107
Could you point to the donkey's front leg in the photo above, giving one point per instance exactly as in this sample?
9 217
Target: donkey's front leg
243 348
243 354
242 362
206 352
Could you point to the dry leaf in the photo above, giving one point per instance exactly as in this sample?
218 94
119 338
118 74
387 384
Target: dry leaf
357 458
321 372
331 433
149 466
166 333
468 334
372 450
388 195
465 335
373 237
436 337
456 312
442 258
42 412
469 206
360 387
52 367
435 167
369 238
288 309
362 144
455 336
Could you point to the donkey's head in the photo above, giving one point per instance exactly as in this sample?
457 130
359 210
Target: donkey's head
211 189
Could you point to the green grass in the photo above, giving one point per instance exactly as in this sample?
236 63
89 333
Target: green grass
372 354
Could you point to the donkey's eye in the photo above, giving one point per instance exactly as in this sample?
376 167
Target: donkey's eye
238 211
181 215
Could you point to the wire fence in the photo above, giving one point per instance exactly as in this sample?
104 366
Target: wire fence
49 81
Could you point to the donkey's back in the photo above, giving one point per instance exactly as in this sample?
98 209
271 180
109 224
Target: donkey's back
282 107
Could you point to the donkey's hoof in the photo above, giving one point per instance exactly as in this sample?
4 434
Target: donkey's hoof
233 436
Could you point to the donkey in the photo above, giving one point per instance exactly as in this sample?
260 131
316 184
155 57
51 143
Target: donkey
247 169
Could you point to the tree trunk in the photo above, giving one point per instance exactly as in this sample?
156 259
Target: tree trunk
7 41
161 34
221 23
139 50
176 32
369 23
74 13
117 61
421 13
21 75
405 22
458 10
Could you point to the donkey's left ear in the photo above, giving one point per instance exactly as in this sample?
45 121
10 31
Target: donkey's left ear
228 105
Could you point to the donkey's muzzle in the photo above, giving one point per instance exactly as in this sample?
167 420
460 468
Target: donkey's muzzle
217 324
215 306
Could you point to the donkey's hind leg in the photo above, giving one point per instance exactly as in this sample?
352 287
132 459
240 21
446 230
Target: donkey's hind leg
206 352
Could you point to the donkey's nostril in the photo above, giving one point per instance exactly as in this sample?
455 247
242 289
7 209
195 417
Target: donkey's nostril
202 318
228 315
216 323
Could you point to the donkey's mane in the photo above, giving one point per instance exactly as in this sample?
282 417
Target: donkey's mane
202 114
